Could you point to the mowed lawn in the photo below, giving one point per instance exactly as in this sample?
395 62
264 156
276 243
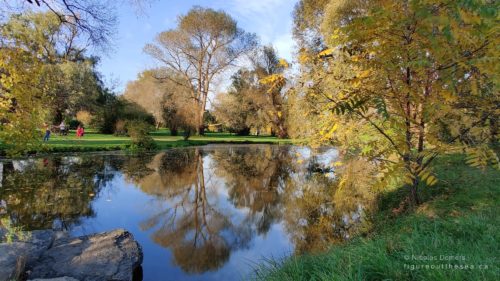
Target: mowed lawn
95 141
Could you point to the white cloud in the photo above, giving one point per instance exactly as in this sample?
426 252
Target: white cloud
270 19
285 45
251 8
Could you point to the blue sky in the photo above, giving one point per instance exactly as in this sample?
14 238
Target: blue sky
271 20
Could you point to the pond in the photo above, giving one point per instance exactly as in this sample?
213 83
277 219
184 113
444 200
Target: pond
201 213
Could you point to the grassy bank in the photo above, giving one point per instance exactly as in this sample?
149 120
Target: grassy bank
460 217
93 141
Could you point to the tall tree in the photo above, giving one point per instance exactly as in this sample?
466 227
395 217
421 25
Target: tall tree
44 71
26 77
94 20
148 93
308 15
202 47
165 100
401 68
240 109
77 87
269 69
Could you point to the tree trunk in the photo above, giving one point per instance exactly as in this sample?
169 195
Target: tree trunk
58 117
200 128
414 197
187 134
200 131
282 131
173 132
244 132
494 131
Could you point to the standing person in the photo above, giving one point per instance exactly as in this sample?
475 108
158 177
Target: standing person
47 132
62 128
79 131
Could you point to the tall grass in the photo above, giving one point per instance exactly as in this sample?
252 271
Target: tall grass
460 218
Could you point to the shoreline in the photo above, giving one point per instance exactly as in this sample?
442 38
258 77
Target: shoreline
54 149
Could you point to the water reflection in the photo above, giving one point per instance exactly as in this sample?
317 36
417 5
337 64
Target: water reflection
40 193
324 209
255 178
193 224
203 204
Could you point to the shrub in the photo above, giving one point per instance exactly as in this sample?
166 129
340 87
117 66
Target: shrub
73 124
139 133
84 117
120 128
116 108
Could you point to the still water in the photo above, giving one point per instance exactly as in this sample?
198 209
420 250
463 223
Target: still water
203 213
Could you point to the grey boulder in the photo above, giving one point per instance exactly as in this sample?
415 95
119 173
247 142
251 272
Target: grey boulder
113 255
65 278
16 255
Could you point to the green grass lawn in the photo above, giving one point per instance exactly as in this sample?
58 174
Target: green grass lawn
93 141
460 217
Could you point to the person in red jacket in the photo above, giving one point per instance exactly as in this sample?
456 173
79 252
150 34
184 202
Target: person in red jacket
80 131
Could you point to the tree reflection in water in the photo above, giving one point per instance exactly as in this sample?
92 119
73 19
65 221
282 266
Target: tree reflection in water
41 192
321 210
256 178
207 202
194 225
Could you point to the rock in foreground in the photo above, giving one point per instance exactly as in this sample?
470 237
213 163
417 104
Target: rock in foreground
16 255
111 255
49 255
65 278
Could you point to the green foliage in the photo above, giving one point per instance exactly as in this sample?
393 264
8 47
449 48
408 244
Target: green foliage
25 80
77 88
241 108
114 110
44 77
458 217
422 74
139 134
11 232
73 124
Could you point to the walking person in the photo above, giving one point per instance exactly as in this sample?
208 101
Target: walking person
47 132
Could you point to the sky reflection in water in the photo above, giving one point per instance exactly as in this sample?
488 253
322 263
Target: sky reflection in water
206 213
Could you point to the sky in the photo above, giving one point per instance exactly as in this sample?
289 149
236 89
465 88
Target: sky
271 20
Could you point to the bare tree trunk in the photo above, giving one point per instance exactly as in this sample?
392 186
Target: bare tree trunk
197 123
282 132
494 130
414 198
201 130
201 127
187 133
